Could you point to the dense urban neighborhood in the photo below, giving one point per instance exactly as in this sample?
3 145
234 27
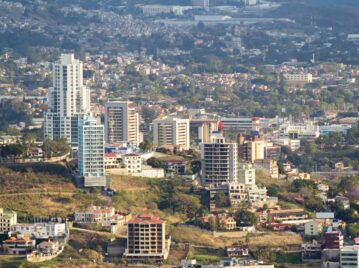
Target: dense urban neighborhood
200 133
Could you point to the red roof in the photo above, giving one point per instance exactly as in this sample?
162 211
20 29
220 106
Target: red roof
110 155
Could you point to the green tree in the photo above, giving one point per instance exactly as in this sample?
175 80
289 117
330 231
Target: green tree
221 200
273 190
245 218
353 229
146 145
314 203
196 166
12 150
154 162
213 223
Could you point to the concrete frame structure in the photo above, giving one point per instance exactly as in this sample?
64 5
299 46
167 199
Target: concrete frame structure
219 161
146 240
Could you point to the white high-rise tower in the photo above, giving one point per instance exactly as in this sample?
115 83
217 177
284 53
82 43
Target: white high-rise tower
68 100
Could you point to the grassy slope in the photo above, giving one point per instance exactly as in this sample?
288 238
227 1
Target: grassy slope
35 178
11 262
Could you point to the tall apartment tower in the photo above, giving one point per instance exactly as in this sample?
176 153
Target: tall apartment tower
122 122
68 100
146 240
91 153
171 132
219 161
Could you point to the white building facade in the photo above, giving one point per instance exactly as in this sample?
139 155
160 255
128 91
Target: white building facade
7 219
171 132
41 230
68 100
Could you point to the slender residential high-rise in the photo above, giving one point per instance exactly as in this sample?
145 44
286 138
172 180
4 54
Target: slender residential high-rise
121 123
68 100
171 132
91 153
219 161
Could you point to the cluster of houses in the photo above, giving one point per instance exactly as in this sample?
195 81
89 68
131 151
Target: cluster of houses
106 217
38 240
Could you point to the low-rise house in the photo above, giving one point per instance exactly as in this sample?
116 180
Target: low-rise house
133 163
227 222
94 214
237 251
323 187
269 165
257 195
40 230
19 244
311 251
262 216
48 247
6 140
292 216
7 219
344 201
111 161
175 166
313 228
35 152
104 216
149 172
240 192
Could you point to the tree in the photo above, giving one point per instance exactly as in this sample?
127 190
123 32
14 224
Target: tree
347 215
149 114
196 166
146 145
265 254
55 147
314 203
12 150
245 218
188 204
213 223
154 162
353 229
297 185
29 140
273 190
221 200
92 255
